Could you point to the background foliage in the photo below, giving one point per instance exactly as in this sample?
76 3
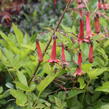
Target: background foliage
53 87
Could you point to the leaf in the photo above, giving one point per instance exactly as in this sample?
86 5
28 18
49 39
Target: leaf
106 44
11 45
86 67
74 92
105 106
21 98
104 87
22 78
18 33
59 103
5 94
9 85
81 82
44 83
25 88
1 90
94 73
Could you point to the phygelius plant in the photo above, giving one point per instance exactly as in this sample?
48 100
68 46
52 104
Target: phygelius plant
54 1
88 28
79 71
97 24
103 5
53 52
39 52
81 31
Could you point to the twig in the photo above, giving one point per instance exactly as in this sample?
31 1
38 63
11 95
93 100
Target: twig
60 20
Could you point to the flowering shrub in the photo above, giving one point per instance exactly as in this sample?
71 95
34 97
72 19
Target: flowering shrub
62 68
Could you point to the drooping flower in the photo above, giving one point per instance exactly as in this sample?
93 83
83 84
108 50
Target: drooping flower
99 4
78 71
63 58
88 28
103 5
97 23
91 55
81 31
53 53
54 1
39 52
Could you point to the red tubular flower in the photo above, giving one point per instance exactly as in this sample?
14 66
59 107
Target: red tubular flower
88 28
53 53
97 23
103 5
39 52
55 1
81 31
78 71
91 57
64 62
79 58
99 4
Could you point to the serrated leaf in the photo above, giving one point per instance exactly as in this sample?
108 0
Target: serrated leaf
1 90
11 45
21 98
94 73
18 33
22 78
104 87
81 83
44 83
74 92
86 67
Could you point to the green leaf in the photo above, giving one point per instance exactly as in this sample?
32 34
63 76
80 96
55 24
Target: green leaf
105 106
81 82
21 98
9 85
59 103
44 83
104 87
25 88
86 67
22 78
5 94
106 44
11 45
1 90
22 87
94 73
74 92
18 33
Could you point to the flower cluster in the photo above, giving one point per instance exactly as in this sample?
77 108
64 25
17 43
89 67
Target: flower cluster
84 36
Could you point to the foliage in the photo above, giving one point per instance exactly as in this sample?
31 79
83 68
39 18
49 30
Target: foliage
54 85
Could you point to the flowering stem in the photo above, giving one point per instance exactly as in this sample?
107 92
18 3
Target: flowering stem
60 20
